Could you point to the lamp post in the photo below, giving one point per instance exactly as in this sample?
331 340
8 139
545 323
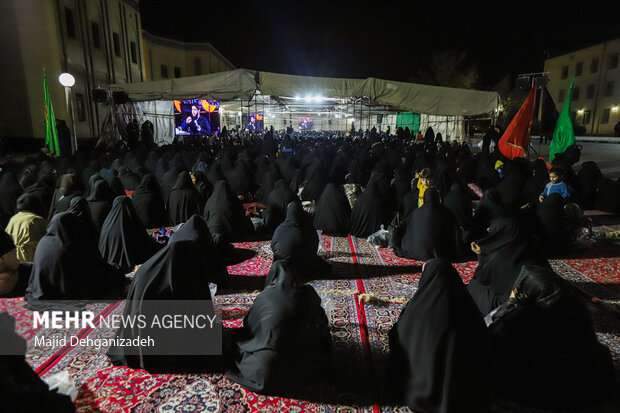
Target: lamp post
67 80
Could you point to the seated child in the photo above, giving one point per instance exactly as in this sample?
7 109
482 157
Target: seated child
556 176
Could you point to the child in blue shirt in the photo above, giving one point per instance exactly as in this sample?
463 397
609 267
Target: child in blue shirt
556 175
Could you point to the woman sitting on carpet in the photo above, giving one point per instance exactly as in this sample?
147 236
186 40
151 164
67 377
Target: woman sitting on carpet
285 342
431 231
100 202
184 201
278 199
124 242
372 209
13 275
296 241
182 270
500 257
225 215
149 203
439 360
333 212
546 351
68 266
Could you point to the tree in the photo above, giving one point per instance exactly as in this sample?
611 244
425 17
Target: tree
449 68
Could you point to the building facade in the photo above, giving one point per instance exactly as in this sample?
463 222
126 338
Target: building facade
595 103
167 59
99 42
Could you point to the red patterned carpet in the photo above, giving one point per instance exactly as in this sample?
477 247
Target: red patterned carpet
363 299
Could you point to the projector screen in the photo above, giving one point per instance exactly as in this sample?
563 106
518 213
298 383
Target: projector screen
196 117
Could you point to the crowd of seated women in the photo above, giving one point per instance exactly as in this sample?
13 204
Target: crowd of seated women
76 225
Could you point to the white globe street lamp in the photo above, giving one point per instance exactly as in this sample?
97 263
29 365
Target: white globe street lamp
67 80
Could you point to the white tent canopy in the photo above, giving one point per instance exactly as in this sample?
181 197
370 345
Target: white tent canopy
241 84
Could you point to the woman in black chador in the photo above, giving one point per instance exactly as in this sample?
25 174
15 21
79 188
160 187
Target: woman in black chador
124 242
296 241
183 201
439 355
371 210
500 257
149 204
333 212
182 270
278 199
546 352
431 231
225 215
100 202
68 265
285 342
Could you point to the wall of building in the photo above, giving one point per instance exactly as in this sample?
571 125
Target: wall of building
172 54
596 92
75 36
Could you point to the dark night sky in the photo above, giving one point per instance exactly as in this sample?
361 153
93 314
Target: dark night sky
386 39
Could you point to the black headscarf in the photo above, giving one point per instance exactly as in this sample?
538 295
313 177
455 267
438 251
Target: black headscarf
129 179
70 187
431 231
504 251
184 200
240 179
68 266
555 233
277 202
537 181
182 270
546 351
30 203
333 212
459 204
79 207
608 196
438 347
285 341
371 210
100 202
124 242
588 178
90 186
148 202
116 186
225 215
295 240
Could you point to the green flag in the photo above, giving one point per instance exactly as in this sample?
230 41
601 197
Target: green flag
51 134
564 135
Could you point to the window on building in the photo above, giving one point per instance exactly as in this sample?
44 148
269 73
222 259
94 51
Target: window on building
605 116
177 71
134 52
594 65
573 116
116 39
70 22
575 93
80 107
197 66
612 63
587 117
94 29
164 71
609 88
590 92
564 72
562 95
579 69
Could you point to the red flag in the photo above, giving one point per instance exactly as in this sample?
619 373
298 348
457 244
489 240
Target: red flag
516 138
